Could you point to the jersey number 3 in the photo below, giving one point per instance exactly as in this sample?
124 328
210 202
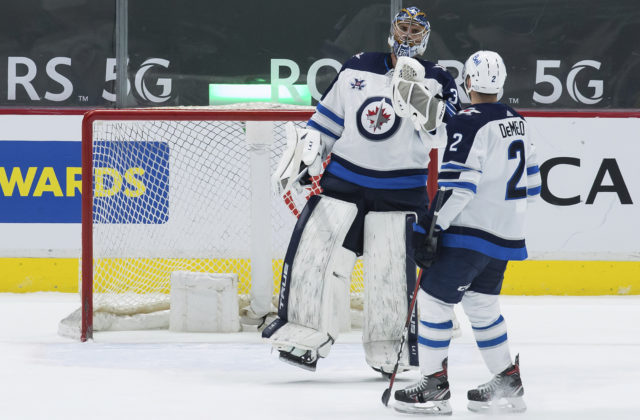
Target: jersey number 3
516 151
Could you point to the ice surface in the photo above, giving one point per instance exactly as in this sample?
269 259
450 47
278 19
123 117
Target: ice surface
580 359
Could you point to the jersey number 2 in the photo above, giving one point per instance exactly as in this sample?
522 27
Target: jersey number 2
516 151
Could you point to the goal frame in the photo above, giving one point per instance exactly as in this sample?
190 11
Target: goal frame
174 114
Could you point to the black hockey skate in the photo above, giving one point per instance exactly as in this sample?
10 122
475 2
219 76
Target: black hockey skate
502 394
305 359
429 396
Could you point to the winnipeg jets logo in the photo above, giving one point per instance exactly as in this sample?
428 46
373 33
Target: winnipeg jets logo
376 119
358 84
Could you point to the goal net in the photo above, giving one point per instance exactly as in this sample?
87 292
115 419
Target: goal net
183 189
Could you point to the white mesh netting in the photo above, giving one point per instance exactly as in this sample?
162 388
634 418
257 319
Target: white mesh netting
174 195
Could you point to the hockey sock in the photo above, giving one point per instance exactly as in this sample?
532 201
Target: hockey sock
434 332
493 344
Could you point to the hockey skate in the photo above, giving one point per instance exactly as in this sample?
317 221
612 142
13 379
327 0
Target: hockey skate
429 396
302 358
502 394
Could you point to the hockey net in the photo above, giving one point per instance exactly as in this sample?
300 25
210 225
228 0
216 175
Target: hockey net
181 189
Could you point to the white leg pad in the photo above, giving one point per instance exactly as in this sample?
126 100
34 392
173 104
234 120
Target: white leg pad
385 287
319 281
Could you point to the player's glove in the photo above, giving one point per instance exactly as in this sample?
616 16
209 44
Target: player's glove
426 249
301 159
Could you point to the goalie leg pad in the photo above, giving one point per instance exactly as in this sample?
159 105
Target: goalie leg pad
389 280
316 278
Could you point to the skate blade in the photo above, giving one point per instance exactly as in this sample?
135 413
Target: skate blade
310 368
433 408
499 406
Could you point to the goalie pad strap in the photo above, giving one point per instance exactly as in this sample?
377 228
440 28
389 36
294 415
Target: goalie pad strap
390 277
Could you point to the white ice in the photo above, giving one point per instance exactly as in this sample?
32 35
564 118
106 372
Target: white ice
580 359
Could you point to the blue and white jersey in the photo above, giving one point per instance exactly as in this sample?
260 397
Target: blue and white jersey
375 148
490 167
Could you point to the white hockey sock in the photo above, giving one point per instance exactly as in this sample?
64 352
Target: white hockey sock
433 345
493 344
434 332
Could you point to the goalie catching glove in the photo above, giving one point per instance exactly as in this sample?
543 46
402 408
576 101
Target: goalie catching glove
415 97
302 159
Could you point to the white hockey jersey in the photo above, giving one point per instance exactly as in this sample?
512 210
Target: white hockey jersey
375 148
490 167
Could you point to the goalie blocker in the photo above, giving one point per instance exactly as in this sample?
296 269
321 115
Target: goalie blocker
314 293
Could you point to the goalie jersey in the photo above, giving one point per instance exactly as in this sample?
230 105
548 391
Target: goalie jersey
490 172
374 147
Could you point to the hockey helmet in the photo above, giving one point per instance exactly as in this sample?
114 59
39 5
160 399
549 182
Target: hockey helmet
409 32
486 71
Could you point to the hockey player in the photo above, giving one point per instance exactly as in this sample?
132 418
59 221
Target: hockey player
379 119
490 172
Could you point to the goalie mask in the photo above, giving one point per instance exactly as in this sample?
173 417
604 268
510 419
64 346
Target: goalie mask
486 71
409 32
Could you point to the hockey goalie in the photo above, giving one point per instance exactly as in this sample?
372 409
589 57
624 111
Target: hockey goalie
379 119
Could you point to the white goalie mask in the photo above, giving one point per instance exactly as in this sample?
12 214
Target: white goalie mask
409 32
487 72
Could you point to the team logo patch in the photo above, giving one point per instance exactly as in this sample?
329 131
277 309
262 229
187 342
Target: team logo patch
376 119
358 84
469 111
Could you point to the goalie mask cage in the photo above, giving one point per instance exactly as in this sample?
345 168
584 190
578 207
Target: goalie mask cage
180 189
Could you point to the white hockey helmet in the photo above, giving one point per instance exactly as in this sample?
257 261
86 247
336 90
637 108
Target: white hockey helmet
409 32
486 71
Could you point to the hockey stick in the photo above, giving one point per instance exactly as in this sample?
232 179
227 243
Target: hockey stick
387 392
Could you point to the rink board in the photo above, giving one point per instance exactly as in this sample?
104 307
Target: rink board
581 238
579 278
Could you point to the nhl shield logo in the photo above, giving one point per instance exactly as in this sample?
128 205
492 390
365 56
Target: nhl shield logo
376 118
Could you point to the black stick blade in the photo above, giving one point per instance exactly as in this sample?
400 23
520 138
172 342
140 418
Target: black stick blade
385 396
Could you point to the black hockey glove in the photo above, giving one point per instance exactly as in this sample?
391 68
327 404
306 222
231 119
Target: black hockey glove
426 249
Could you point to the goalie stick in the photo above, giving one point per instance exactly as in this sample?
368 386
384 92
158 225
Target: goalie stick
387 392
